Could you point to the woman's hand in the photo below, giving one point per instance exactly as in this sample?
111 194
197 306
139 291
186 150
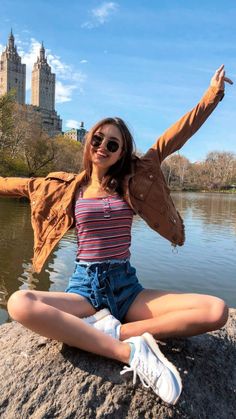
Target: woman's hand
219 79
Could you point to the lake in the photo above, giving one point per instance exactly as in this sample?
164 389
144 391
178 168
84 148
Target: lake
205 264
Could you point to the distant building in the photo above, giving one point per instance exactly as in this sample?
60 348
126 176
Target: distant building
13 76
76 134
12 72
43 83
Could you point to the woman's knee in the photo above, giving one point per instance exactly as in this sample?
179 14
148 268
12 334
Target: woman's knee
20 305
219 312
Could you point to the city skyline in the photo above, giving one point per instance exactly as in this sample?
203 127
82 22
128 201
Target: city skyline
148 65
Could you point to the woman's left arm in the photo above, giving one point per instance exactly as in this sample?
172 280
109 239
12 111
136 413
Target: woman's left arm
176 136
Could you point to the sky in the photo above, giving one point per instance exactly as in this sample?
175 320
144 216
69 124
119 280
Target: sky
148 62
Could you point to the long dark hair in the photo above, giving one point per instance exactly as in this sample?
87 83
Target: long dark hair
113 179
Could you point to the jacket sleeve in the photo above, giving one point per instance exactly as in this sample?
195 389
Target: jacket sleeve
14 187
176 136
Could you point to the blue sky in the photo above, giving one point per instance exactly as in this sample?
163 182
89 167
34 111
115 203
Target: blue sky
148 62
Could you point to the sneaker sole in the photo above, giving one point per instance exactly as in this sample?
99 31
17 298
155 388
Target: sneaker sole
154 347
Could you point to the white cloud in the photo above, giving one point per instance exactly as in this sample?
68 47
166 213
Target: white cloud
67 79
100 15
64 71
83 62
64 92
72 123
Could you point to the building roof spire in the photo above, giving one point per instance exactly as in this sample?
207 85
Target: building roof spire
42 53
11 40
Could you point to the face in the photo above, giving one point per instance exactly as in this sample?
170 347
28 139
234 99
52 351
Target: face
102 154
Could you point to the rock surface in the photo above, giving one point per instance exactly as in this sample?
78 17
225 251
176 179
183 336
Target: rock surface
41 378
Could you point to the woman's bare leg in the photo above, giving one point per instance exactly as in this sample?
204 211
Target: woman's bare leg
56 316
167 314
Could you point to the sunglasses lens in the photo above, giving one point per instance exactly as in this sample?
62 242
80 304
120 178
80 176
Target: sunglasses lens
96 141
112 146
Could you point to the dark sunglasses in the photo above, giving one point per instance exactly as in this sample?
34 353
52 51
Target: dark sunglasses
111 145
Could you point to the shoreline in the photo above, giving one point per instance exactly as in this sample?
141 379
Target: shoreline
221 191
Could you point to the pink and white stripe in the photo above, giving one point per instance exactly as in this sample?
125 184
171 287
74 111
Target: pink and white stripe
103 228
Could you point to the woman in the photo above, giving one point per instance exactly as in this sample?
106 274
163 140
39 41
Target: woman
105 310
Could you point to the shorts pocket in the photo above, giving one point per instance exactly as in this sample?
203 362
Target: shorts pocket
79 276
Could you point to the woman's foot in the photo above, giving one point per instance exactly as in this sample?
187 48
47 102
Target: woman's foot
153 369
104 321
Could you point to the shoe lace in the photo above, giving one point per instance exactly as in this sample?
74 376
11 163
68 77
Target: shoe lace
146 375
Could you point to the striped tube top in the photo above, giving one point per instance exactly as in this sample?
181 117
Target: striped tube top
103 227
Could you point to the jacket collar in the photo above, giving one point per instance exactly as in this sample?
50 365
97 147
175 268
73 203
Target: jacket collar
66 177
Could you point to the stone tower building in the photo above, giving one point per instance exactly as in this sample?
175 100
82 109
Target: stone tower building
12 72
43 95
13 76
43 83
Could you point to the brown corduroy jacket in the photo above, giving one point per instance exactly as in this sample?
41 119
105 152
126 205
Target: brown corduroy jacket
52 198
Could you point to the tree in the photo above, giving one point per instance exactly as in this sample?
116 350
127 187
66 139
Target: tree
7 104
38 151
219 169
175 170
68 155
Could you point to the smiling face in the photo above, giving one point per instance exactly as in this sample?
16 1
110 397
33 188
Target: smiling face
101 156
105 160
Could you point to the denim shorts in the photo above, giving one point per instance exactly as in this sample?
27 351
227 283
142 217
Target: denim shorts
112 285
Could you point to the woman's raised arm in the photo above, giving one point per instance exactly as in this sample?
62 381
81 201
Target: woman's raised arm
176 136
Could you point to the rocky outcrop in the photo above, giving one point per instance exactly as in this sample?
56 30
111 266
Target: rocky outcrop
41 378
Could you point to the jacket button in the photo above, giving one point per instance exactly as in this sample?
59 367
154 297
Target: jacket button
141 195
150 176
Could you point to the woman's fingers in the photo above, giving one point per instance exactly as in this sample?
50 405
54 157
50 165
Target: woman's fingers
222 76
219 72
228 80
219 78
220 68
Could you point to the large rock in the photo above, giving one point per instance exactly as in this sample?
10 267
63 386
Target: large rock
41 378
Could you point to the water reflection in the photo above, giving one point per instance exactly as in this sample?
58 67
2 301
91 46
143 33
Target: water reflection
16 247
205 264
212 208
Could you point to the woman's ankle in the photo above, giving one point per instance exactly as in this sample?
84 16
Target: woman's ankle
124 355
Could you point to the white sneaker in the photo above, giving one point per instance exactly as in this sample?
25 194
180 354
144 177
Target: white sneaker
153 369
104 321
